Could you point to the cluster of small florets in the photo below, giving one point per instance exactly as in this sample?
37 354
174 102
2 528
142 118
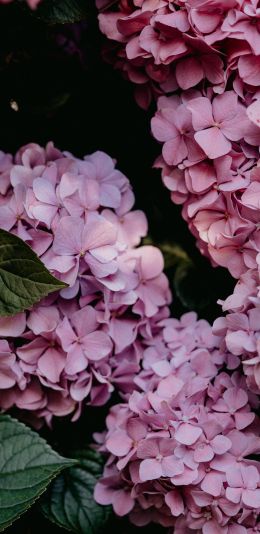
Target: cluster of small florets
165 45
178 449
204 57
209 53
210 163
77 216
240 328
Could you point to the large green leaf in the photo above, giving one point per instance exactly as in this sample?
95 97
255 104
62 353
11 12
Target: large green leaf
23 278
62 11
69 502
27 465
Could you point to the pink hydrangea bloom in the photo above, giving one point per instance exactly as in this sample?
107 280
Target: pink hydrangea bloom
204 56
89 339
157 47
178 449
160 47
210 169
240 328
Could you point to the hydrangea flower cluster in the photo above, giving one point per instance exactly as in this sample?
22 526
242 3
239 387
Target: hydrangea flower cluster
164 45
240 328
83 341
204 58
178 449
209 52
210 163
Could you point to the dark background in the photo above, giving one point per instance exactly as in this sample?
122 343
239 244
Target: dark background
67 94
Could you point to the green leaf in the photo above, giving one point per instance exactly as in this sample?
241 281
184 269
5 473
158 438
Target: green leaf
27 465
62 11
69 502
23 278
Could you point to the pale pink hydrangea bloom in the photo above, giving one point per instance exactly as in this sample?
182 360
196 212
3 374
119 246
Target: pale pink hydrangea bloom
157 47
210 131
210 53
221 205
161 46
240 328
88 340
178 449
210 169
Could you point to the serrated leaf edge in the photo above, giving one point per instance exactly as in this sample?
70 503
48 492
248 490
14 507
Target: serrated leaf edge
70 463
80 455
34 258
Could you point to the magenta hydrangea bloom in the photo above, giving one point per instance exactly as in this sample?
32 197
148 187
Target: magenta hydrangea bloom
178 449
89 338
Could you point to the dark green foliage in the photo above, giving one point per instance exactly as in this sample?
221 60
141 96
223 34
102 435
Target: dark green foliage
27 465
23 278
